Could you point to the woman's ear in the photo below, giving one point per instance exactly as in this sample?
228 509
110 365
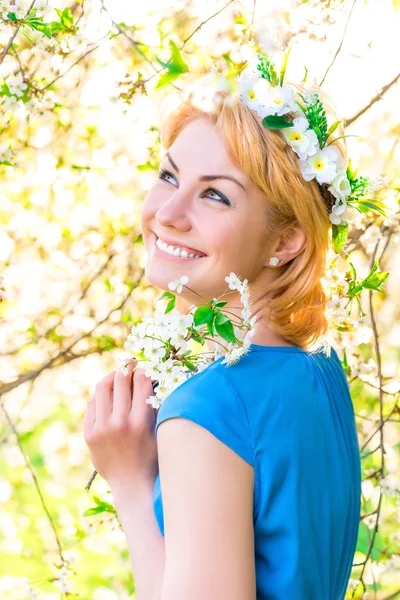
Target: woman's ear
289 245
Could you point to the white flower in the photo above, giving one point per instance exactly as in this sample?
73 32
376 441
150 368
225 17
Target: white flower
153 401
339 212
177 285
234 354
340 186
122 364
337 304
233 281
247 82
321 165
274 100
304 141
16 85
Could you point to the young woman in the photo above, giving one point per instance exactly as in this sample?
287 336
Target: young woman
251 488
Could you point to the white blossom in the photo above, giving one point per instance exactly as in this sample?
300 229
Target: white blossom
177 285
303 140
321 165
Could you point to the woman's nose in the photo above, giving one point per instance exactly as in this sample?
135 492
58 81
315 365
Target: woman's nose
175 211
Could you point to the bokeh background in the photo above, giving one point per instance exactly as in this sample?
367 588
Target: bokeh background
81 84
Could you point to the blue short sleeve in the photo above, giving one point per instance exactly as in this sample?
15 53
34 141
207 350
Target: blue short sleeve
211 400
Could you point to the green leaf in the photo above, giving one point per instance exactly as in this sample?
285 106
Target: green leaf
366 204
224 327
220 304
166 294
284 65
305 75
276 122
67 18
39 26
203 314
175 66
374 282
339 236
170 305
396 4
12 17
332 128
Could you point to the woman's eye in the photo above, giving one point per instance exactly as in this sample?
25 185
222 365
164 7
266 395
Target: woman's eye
163 174
221 197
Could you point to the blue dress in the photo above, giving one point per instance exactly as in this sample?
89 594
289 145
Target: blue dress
289 414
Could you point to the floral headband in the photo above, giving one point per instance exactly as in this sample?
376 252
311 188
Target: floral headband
304 126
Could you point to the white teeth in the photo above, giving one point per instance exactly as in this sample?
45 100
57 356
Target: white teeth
175 251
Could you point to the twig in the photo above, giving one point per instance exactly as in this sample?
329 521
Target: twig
204 22
252 20
66 353
12 38
340 45
130 40
72 309
378 96
77 62
36 482
381 469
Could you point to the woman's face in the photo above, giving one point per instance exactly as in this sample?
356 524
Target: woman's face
206 204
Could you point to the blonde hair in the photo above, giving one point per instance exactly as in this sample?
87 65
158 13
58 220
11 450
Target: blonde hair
297 304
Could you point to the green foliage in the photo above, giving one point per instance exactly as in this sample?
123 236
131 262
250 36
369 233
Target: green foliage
276 122
175 66
100 507
267 69
339 236
316 117
373 281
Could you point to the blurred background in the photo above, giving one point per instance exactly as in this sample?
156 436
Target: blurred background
81 84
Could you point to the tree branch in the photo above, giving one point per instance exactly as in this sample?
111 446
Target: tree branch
379 95
340 45
12 38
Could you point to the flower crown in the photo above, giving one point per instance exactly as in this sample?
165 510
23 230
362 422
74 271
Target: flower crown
304 126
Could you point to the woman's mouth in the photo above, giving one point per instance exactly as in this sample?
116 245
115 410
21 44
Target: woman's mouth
170 252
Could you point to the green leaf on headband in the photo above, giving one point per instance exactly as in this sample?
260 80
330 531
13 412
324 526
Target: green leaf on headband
339 236
332 128
276 122
284 65
267 69
366 204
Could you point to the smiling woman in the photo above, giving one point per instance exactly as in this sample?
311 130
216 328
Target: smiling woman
258 201
258 492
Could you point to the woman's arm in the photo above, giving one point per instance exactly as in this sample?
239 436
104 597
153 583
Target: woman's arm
145 542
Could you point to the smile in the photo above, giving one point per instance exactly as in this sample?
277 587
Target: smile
174 252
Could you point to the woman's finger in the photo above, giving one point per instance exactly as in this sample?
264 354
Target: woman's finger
122 401
104 399
89 418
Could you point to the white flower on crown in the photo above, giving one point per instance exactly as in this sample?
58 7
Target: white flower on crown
259 95
339 212
247 82
275 100
322 165
340 187
303 140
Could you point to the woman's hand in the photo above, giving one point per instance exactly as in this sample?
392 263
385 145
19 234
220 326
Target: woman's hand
119 429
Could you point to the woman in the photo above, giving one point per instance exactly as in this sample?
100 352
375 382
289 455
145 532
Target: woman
258 489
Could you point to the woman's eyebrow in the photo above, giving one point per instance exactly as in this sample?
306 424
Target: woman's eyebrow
206 177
